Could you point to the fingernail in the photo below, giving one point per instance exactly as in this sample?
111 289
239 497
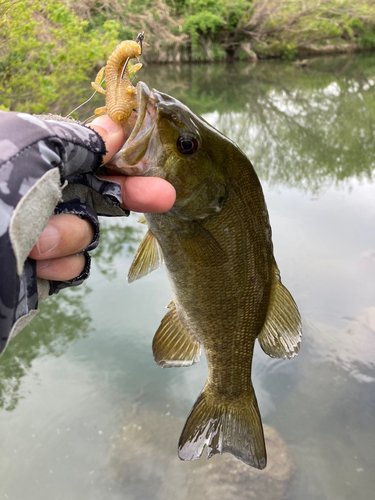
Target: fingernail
105 122
48 240
40 264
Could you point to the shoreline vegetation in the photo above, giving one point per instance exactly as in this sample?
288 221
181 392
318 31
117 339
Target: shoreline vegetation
48 46
219 30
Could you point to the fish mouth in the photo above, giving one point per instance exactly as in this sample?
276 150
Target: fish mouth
135 157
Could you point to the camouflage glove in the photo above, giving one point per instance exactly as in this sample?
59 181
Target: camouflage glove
43 163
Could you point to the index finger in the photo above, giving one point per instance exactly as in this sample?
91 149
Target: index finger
112 134
145 194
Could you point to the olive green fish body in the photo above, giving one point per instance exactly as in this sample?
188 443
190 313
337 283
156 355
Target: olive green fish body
217 247
225 299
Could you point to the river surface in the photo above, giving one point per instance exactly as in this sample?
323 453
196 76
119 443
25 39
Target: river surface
82 374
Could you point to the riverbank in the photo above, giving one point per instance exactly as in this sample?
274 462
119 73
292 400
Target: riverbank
217 30
50 48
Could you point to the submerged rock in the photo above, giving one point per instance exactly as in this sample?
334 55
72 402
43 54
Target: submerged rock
143 459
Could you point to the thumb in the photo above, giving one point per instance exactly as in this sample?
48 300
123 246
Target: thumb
111 133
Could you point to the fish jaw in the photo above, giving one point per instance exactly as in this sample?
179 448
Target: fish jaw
143 146
139 151
152 149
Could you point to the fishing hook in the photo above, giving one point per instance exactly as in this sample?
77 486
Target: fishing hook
139 40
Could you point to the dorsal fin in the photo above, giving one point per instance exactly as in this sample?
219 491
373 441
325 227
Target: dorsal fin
147 258
282 330
173 345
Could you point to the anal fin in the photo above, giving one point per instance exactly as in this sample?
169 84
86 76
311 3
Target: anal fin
282 330
147 258
173 345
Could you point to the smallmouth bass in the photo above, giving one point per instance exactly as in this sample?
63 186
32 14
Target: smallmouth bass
217 247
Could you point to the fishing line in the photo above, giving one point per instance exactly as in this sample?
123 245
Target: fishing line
89 99
139 40
124 68
87 119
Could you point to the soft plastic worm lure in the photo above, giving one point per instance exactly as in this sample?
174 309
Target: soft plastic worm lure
120 93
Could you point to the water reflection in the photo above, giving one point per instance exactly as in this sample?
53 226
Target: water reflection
146 435
43 336
330 391
89 401
352 348
65 317
308 128
116 237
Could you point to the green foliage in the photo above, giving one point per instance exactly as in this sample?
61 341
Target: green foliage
277 28
202 23
366 38
203 17
211 19
288 50
45 51
366 33
50 49
296 25
218 53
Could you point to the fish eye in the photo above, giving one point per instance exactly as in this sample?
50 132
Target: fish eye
187 144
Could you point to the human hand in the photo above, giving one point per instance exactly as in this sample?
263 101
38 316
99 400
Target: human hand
57 249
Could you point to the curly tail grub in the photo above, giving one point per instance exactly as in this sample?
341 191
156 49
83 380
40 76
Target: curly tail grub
120 93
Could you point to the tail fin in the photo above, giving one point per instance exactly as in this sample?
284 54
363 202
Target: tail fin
231 426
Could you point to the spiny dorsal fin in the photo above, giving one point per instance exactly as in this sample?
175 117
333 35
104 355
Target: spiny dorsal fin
282 331
147 258
173 345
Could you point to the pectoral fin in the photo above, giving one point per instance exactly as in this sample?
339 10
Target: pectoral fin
147 258
282 331
173 345
199 246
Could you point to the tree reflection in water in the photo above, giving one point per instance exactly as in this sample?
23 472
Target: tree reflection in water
62 318
307 127
117 237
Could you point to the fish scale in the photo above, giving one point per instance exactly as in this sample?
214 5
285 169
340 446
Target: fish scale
217 247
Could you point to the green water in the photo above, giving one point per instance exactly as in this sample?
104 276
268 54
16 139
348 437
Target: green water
82 374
